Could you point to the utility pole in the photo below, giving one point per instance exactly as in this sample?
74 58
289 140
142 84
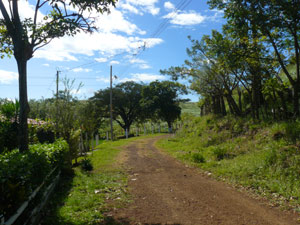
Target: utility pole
111 115
57 83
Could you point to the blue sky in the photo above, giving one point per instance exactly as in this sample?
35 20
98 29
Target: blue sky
128 38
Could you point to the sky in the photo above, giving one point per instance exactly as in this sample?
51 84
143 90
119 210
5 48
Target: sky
138 38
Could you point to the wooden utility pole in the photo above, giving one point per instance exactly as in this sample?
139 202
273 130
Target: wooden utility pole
57 83
111 115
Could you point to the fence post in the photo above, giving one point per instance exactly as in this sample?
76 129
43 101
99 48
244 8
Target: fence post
97 139
158 128
107 135
145 130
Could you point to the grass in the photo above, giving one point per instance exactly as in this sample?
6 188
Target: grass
190 108
84 197
264 157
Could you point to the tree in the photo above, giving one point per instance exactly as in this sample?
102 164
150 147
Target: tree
126 103
277 23
161 100
24 37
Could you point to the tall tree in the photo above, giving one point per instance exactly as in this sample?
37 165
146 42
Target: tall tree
161 100
25 36
277 22
126 103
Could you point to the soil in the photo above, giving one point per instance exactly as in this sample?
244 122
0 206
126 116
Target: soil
165 191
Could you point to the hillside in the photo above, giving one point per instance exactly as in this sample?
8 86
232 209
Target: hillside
263 157
190 108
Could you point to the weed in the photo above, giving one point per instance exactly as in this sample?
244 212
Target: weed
219 152
198 158
86 164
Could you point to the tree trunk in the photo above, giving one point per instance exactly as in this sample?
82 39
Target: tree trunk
296 99
240 99
283 103
223 108
170 126
233 105
24 107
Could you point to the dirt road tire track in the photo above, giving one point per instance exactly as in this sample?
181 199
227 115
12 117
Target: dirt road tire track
167 192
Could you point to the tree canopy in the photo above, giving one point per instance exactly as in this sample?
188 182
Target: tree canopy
126 103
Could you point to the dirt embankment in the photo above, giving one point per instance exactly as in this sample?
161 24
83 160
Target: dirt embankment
167 192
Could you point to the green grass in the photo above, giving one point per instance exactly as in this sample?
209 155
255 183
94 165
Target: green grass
263 157
84 197
190 108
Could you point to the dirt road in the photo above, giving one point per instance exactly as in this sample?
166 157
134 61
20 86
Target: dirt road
167 192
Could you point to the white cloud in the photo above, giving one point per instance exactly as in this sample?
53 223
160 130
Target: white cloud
65 48
77 70
144 66
147 6
114 62
169 6
115 22
142 77
46 64
103 79
130 8
7 77
107 41
185 18
134 60
101 59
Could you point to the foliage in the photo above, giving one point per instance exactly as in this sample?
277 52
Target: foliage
252 67
86 164
22 172
264 157
198 158
126 103
161 100
23 36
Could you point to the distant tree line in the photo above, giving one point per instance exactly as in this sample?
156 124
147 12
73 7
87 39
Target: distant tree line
132 103
252 67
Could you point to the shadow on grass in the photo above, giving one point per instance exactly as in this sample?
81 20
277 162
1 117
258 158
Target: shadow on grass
50 214
124 221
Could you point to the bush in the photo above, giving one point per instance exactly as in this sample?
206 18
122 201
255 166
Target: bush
86 164
8 136
220 153
292 131
41 132
198 158
21 173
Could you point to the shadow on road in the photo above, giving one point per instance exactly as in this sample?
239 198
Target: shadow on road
124 221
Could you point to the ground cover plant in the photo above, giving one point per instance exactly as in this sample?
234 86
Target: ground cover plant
263 157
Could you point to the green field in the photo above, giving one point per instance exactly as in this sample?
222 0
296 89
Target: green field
190 108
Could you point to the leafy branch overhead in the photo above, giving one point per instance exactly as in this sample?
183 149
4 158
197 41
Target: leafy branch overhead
64 18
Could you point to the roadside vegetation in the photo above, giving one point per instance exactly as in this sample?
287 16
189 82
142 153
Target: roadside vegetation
86 196
263 157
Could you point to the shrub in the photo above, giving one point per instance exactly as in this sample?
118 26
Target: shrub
21 173
86 164
292 131
8 136
220 153
198 158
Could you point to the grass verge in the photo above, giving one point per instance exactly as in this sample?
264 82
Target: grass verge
84 197
263 157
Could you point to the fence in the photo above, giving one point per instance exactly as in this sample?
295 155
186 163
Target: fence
32 216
